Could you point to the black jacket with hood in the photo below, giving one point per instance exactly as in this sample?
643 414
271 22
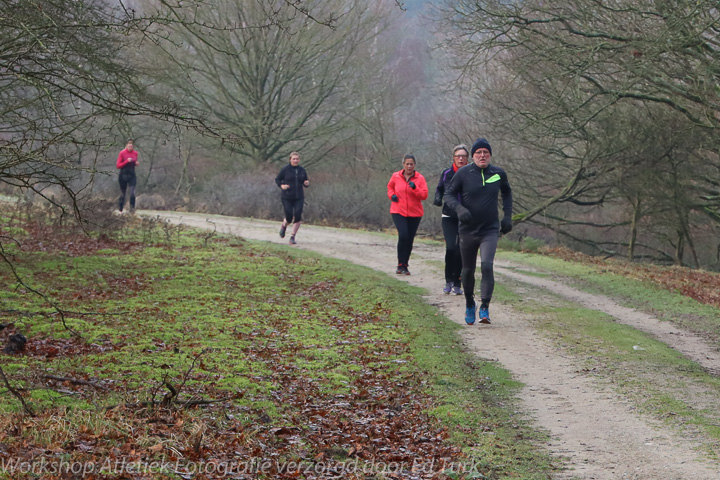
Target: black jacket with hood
295 177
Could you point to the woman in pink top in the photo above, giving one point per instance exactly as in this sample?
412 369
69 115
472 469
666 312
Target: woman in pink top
126 162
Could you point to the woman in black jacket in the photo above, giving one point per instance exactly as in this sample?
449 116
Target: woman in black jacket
453 261
292 180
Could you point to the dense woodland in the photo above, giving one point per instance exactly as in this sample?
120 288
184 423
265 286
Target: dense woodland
606 114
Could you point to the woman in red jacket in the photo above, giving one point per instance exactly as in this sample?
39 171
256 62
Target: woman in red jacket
406 189
126 162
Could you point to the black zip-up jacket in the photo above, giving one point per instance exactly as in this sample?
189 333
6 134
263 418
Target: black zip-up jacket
478 190
445 178
295 177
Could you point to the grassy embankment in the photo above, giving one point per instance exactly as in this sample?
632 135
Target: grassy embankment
157 352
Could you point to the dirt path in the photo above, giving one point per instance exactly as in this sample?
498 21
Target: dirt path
592 428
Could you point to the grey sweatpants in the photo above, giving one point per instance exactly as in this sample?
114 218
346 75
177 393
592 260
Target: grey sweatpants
470 245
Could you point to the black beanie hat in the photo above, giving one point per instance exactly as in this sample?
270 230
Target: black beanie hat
480 143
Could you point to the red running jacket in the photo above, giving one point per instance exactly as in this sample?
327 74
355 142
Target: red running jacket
126 158
410 201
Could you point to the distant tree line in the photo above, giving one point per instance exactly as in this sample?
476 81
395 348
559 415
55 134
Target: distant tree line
605 114
207 91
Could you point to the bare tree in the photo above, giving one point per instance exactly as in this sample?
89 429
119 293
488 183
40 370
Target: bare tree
279 79
75 74
576 92
65 86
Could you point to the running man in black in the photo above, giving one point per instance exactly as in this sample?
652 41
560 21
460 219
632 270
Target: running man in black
127 161
292 180
473 194
450 224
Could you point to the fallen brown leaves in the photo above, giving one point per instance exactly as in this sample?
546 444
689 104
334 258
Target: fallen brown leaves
699 285
378 426
374 425
70 241
379 423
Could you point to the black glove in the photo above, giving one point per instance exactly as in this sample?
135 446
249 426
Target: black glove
411 185
464 214
505 225
394 198
438 200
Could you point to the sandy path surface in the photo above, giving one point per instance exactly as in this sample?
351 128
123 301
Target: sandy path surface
594 430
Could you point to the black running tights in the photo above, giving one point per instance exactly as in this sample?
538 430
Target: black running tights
407 228
453 260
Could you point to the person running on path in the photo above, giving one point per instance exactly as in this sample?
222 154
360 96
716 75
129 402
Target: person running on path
127 161
406 191
292 180
473 194
450 224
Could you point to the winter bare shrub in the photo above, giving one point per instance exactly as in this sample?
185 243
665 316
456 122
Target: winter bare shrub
335 198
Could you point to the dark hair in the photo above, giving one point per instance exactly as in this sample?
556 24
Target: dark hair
409 155
131 140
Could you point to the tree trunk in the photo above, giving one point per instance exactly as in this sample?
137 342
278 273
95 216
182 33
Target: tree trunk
633 228
183 174
679 248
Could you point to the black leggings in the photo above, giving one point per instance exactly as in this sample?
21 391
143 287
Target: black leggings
469 245
293 209
127 179
453 260
407 228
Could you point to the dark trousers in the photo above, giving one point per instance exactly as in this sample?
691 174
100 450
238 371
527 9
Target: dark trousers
486 244
127 179
407 228
293 209
453 259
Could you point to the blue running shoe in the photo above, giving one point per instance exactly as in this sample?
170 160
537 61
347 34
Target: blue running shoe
485 314
470 314
448 288
456 290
